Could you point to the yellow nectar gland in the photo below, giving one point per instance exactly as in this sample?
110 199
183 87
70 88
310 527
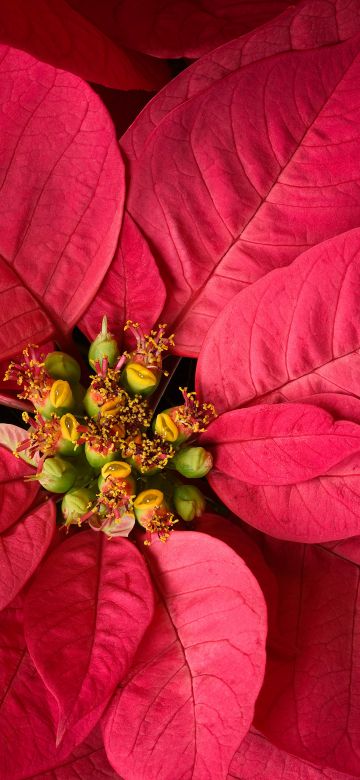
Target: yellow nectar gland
113 407
117 469
140 377
165 427
69 427
149 499
60 394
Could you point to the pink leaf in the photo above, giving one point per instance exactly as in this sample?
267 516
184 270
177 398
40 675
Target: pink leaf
22 547
10 437
309 702
16 495
28 709
307 25
229 187
60 200
132 288
258 759
177 29
297 332
198 670
92 600
321 508
54 32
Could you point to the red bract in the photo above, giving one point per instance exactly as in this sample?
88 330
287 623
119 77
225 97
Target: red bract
309 701
250 167
197 673
53 31
92 601
177 28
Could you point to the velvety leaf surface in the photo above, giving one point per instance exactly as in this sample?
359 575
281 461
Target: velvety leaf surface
60 199
16 496
92 600
28 709
22 547
132 288
54 32
177 29
309 704
321 508
258 759
197 672
297 332
229 187
307 25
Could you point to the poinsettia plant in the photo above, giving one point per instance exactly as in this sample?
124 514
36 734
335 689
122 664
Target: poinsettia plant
229 210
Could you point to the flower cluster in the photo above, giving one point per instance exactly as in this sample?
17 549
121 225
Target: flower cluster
103 447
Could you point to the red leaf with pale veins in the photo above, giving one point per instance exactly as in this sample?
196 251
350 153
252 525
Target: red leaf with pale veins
92 600
27 708
228 187
131 290
297 332
309 701
321 508
259 759
54 32
22 547
16 496
197 672
60 199
305 26
177 28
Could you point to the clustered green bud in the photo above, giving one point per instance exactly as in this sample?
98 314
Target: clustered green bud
100 447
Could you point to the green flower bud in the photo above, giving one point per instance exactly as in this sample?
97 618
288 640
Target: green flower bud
104 346
97 459
57 475
146 503
189 502
192 462
139 379
91 402
62 366
76 502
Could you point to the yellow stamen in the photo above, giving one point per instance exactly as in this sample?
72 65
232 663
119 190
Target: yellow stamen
69 427
116 468
60 394
165 427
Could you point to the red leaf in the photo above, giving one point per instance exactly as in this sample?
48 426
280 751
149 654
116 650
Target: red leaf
308 25
319 509
229 187
298 332
197 672
176 29
309 701
22 547
28 709
258 759
60 201
54 32
92 600
16 496
132 288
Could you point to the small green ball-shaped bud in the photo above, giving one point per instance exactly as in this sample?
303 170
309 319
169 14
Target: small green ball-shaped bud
139 379
97 459
193 462
91 405
62 366
76 502
57 475
104 346
189 502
